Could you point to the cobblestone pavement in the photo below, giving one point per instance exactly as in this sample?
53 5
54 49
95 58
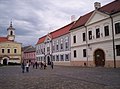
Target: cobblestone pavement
60 77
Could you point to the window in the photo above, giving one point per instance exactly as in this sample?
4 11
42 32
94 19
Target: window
15 50
66 42
53 47
97 33
11 32
90 35
117 28
66 57
75 55
48 49
62 57
118 50
106 30
84 52
74 39
8 50
57 47
84 37
61 44
3 50
53 59
57 57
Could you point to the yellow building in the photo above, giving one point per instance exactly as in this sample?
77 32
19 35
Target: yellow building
10 51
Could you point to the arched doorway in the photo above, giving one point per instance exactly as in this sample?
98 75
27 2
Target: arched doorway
99 56
48 60
5 62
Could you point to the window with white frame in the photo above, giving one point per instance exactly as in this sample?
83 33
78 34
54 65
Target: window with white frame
84 37
97 33
57 47
53 58
61 43
66 43
106 30
117 28
66 57
62 57
8 50
118 50
90 35
84 52
15 50
74 39
3 50
53 46
57 57
75 53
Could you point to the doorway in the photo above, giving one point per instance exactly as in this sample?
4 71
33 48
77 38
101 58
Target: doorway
48 60
99 56
5 62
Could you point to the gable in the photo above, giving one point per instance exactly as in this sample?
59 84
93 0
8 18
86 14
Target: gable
96 17
48 38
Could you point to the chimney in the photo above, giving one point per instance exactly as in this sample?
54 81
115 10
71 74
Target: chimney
97 5
73 18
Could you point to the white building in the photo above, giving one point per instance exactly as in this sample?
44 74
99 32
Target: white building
55 47
95 37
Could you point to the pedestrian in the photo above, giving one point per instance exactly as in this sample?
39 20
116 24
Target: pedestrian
52 64
36 64
45 65
41 64
23 66
27 66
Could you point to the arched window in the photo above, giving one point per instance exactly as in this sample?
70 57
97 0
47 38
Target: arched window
11 32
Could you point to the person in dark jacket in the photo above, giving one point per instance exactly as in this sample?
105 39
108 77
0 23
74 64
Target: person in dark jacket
52 64
23 66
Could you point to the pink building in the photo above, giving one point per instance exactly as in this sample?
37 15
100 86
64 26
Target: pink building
29 54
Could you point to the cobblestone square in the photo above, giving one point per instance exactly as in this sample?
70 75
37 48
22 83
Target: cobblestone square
60 77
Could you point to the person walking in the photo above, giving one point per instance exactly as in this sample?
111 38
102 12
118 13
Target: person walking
41 64
45 65
27 67
36 64
52 64
23 66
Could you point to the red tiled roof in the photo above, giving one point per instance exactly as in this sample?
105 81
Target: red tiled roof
41 40
82 20
3 39
62 31
110 8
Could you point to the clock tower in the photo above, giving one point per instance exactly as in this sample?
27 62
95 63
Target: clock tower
11 33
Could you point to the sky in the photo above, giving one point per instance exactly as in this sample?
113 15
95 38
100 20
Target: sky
33 19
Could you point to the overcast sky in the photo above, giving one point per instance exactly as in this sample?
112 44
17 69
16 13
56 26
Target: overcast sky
33 19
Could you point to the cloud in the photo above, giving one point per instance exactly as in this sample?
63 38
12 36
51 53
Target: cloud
35 18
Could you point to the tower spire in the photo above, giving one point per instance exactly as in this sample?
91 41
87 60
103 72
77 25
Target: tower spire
11 23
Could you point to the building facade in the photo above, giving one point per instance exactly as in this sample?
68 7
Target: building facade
55 47
10 51
92 40
95 37
29 54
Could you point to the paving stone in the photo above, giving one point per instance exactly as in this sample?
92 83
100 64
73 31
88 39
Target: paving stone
61 77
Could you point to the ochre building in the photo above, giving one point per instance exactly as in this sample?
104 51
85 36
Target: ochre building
10 50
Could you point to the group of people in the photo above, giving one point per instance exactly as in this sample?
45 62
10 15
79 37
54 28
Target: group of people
25 66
